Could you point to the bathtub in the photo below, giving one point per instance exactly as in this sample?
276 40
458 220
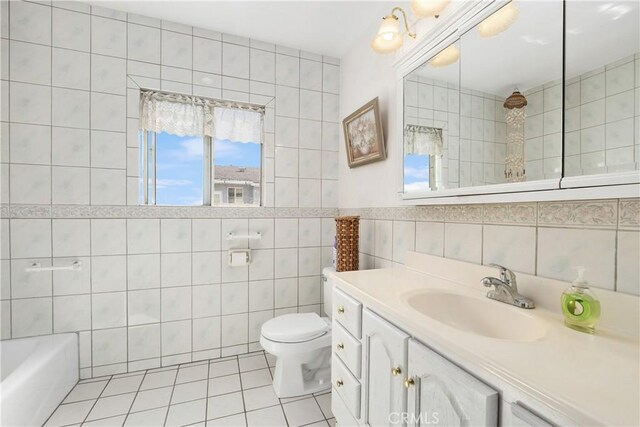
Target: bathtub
37 373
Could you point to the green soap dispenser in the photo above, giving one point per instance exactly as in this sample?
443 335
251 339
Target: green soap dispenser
580 306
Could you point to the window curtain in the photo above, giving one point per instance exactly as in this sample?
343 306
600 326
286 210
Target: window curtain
180 115
238 124
423 140
185 115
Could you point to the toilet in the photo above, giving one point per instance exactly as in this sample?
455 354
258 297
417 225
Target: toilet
301 342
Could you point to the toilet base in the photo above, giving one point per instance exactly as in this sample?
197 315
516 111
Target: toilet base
301 374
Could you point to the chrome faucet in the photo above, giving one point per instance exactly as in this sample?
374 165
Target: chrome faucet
506 288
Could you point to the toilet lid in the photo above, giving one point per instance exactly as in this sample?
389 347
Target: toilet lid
295 327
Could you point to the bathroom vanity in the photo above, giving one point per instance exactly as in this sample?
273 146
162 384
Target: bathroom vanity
422 345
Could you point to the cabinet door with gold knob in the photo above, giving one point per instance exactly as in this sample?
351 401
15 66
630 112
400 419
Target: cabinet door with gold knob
441 393
384 357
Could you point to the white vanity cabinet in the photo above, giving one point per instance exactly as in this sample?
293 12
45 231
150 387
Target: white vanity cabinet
441 393
402 382
383 370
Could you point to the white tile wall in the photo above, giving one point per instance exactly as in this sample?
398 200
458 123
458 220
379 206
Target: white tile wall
601 125
153 291
603 236
600 134
543 127
474 130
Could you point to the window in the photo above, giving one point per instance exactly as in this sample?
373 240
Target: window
422 158
234 196
179 170
198 151
236 172
417 172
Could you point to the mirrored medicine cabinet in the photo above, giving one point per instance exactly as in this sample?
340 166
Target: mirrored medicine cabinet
524 96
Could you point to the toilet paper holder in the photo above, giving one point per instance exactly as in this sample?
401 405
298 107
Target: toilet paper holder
239 257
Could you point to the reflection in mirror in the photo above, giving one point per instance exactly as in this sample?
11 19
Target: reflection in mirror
431 123
602 93
511 95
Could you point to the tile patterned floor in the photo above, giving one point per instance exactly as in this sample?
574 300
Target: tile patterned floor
234 391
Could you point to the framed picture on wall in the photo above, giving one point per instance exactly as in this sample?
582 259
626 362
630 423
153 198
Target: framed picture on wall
363 135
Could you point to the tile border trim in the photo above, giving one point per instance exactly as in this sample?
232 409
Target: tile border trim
607 214
69 211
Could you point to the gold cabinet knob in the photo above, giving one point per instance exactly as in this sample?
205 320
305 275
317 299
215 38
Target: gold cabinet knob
339 383
340 346
340 310
396 371
409 382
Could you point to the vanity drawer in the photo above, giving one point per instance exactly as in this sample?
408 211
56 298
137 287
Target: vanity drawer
348 312
344 418
347 348
346 385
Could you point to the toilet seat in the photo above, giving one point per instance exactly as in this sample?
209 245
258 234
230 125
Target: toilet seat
294 328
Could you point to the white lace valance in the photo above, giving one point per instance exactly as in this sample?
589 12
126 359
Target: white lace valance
238 125
422 140
185 115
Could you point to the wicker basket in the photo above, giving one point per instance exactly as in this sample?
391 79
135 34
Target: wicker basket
347 243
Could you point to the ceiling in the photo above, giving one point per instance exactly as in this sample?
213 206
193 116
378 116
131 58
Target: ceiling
325 27
529 52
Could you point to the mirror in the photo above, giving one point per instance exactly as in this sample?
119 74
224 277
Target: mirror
517 49
602 92
456 100
431 123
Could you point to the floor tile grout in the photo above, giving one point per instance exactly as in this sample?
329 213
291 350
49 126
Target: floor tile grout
94 403
166 416
134 397
206 406
177 384
176 370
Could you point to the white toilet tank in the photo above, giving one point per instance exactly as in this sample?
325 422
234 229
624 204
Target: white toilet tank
327 283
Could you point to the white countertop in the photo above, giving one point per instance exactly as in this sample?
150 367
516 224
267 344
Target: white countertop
589 379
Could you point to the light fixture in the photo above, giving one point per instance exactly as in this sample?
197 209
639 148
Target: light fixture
499 21
389 39
428 8
446 57
514 117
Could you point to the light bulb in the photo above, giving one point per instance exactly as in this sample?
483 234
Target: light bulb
428 8
388 38
446 57
499 21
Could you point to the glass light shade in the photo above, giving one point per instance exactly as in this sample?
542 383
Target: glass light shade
499 21
447 57
388 38
427 8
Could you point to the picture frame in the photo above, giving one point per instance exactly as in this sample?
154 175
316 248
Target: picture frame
363 136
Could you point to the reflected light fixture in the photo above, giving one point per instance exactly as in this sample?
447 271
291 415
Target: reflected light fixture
428 8
389 39
446 57
499 21
515 116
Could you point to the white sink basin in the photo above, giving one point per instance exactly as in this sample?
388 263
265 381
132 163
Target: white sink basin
478 316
